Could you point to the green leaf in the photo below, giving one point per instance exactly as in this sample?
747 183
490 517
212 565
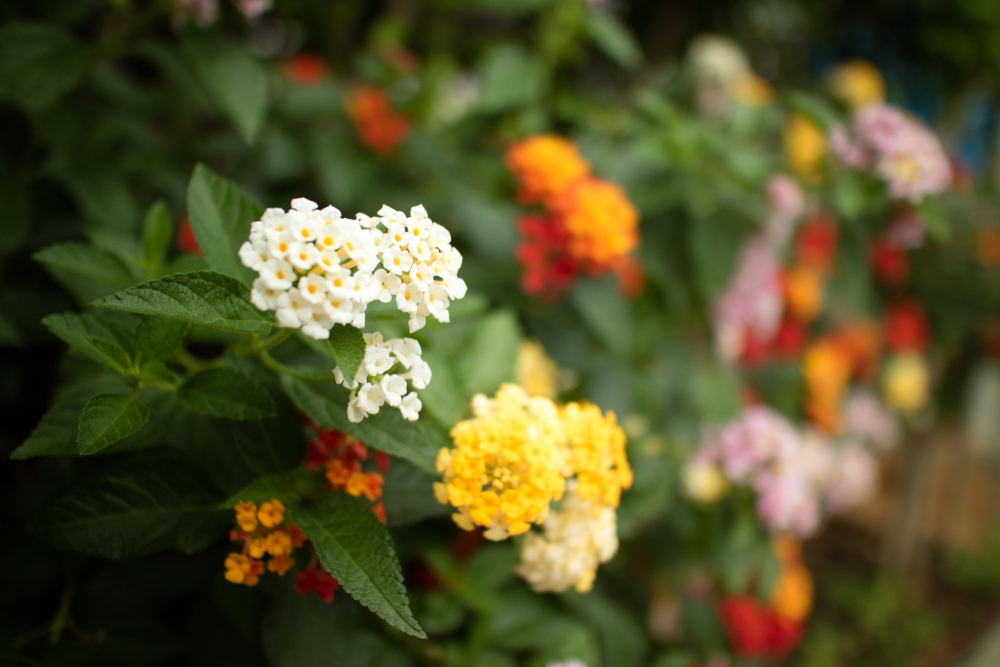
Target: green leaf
489 356
202 297
221 213
155 374
408 495
614 39
271 445
157 232
112 354
156 338
511 77
80 329
288 487
227 394
146 502
444 397
934 217
623 639
605 312
355 547
326 404
39 63
348 346
107 418
86 260
233 78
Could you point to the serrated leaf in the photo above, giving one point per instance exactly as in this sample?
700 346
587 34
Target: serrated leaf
157 232
271 445
108 418
613 38
155 374
355 547
489 356
233 78
347 344
39 63
326 404
408 495
146 502
202 297
86 260
288 487
79 329
112 354
221 213
227 394
156 338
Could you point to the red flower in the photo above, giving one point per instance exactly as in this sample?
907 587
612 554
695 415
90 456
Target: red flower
817 243
789 340
756 630
631 277
906 327
889 261
544 256
185 240
755 350
306 70
378 124
317 580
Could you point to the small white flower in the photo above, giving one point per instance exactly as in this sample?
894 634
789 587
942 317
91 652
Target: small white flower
373 338
365 288
391 215
410 407
419 375
370 398
377 360
254 255
379 241
367 261
408 298
330 237
355 413
277 274
279 243
396 260
422 277
452 259
313 288
439 237
273 217
406 350
340 311
263 297
419 229
387 284
418 212
305 229
358 318
340 283
417 323
366 221
329 214
394 388
316 330
303 256
398 236
304 205
329 260
454 286
437 302
338 375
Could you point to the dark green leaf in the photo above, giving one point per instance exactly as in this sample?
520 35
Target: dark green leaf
80 329
511 77
444 397
227 394
234 80
622 637
108 418
39 63
112 354
288 487
156 338
605 312
271 445
408 495
934 217
326 404
157 232
145 503
202 297
355 547
488 358
221 213
86 260
613 38
348 346
155 374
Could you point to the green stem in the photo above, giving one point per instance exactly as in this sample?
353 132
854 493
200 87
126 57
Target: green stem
279 367
273 341
193 364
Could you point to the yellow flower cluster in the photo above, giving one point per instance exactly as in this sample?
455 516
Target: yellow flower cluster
513 459
805 146
535 371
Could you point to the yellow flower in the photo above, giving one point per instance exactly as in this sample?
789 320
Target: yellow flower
246 516
601 221
597 453
545 165
805 146
506 465
858 83
280 564
804 291
704 482
243 570
279 543
906 382
535 371
753 91
271 513
793 593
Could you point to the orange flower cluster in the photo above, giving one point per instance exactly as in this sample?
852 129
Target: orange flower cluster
342 456
262 534
829 364
590 225
379 126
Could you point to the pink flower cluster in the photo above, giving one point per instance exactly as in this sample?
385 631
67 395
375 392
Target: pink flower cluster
902 151
751 306
205 12
868 419
799 476
788 203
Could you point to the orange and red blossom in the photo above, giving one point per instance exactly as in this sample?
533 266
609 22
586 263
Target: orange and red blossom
803 287
756 630
826 368
601 222
906 327
305 69
379 126
545 166
262 535
316 580
816 243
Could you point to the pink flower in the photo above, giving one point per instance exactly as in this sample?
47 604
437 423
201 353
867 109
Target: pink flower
853 480
752 303
787 502
869 420
253 9
907 229
787 205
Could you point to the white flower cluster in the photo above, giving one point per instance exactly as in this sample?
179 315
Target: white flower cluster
578 537
317 269
375 384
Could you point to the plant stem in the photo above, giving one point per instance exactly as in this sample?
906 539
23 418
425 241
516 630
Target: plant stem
273 341
193 364
279 367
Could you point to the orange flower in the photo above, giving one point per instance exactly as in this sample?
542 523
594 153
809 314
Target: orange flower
989 247
337 473
826 367
373 486
246 516
601 221
377 123
379 510
279 543
792 597
298 537
863 341
545 165
258 547
280 564
243 570
803 291
357 484
305 70
271 514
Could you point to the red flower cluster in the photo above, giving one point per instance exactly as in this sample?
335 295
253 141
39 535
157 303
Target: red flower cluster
889 262
906 327
379 126
816 244
316 580
756 630
548 268
305 70
342 456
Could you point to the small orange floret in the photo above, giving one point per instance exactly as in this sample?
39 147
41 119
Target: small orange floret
373 486
271 514
337 473
298 537
280 564
246 516
803 292
379 510
545 166
357 484
243 570
601 221
279 543
378 125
